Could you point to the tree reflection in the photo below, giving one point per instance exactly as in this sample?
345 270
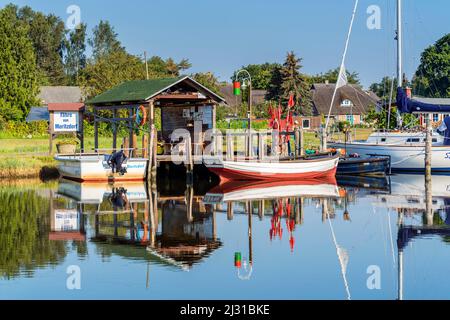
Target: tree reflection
24 229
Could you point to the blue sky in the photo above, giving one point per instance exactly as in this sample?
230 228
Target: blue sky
220 36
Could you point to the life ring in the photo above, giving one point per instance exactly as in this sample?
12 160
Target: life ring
140 120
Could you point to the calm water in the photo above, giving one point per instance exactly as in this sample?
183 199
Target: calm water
309 240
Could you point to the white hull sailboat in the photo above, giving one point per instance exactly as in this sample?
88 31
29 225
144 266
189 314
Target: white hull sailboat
405 149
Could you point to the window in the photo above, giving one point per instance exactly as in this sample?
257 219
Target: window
350 119
413 140
435 117
306 124
346 103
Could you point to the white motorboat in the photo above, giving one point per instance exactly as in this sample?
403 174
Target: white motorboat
95 167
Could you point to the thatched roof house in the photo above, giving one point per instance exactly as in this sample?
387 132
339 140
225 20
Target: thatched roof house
350 99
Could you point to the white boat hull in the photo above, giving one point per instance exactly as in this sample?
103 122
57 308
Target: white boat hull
96 168
263 170
403 157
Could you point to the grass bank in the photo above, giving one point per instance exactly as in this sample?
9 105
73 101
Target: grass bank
28 158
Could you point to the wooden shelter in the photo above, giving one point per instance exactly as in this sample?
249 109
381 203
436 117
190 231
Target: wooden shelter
184 104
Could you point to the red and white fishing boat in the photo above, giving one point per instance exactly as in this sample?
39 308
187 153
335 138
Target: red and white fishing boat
281 169
233 190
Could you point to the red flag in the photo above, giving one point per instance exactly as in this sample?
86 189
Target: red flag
291 102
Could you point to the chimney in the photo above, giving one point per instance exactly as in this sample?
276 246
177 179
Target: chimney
408 92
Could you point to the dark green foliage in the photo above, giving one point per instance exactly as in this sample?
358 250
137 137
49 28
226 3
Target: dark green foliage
104 40
207 79
18 73
287 80
261 74
75 56
432 78
47 34
383 89
332 75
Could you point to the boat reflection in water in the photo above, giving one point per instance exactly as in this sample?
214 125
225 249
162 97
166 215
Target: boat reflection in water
128 221
279 199
334 231
423 211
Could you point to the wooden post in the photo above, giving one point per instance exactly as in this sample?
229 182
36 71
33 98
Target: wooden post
302 142
230 149
50 131
134 145
152 150
130 132
261 145
261 209
114 126
145 146
95 129
80 133
428 184
230 210
297 142
125 147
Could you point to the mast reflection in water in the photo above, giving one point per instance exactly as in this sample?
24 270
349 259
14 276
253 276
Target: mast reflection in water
292 239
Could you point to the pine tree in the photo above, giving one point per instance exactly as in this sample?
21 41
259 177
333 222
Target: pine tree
18 73
287 81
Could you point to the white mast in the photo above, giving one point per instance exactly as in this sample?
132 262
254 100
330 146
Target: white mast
399 44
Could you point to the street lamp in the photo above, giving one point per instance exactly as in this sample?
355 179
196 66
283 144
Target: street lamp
237 92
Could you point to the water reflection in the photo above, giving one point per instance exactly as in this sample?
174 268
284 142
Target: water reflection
193 227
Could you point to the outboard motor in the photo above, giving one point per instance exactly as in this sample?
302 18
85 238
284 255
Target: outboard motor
116 161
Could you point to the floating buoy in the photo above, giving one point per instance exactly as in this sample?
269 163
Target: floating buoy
237 259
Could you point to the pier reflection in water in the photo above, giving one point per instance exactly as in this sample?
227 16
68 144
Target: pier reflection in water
290 239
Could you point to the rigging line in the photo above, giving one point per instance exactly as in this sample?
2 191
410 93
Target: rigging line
343 62
347 289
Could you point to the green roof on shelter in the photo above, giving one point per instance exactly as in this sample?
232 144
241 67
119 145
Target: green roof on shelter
142 90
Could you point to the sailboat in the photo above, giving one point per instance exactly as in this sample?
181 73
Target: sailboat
405 149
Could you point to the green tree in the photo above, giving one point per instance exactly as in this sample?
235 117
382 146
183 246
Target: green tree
432 78
379 119
104 40
383 88
110 70
47 34
18 73
261 74
207 79
75 53
173 69
332 75
287 81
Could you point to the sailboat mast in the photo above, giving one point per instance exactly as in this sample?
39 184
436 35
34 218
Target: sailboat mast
399 44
